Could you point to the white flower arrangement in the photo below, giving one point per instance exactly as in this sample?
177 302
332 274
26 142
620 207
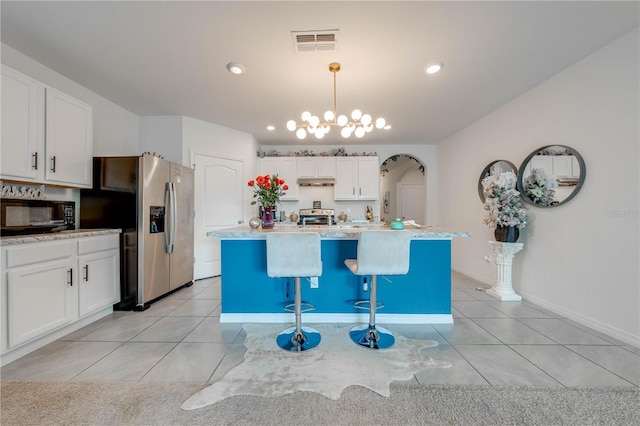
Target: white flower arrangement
502 201
538 186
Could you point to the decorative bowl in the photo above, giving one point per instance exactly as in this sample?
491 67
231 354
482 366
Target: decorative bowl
397 224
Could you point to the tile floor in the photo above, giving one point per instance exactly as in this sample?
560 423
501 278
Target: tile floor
180 339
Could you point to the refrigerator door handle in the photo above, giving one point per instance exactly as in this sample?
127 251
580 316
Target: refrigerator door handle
170 205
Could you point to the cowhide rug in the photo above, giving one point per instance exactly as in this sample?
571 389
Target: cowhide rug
327 369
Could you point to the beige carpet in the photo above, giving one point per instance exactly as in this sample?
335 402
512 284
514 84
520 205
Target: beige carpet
328 369
158 404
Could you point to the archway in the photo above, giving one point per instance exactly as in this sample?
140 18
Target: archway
403 189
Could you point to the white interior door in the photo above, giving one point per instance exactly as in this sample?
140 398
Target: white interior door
412 202
219 188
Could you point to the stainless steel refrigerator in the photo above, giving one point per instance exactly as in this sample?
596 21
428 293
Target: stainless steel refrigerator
151 200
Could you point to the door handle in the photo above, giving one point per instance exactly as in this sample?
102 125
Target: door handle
34 166
53 164
172 213
70 274
86 272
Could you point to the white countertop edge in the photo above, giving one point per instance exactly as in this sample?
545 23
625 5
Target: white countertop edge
246 233
64 235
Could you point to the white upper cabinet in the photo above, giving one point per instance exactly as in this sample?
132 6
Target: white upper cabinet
285 168
47 136
22 119
560 166
357 178
69 140
322 167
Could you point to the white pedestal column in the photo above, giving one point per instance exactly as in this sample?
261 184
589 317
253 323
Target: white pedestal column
503 289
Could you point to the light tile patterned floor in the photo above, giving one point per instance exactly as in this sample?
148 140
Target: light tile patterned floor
180 339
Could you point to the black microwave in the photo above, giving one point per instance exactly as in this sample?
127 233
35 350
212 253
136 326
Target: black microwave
25 217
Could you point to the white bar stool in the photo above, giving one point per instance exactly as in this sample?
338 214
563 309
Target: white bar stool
379 253
295 254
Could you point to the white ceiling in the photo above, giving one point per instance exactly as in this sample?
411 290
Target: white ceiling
169 58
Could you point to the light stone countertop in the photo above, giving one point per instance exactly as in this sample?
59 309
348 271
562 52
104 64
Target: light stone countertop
335 232
63 235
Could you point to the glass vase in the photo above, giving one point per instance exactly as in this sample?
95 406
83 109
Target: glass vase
267 217
506 234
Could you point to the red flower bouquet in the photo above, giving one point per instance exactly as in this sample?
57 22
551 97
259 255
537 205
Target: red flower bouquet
267 190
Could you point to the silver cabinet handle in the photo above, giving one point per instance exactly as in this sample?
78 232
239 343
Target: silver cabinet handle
53 164
353 190
34 166
86 272
70 281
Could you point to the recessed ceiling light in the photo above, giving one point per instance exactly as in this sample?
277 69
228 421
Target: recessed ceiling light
235 68
270 128
434 68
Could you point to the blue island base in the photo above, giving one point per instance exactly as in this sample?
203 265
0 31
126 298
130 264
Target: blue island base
423 296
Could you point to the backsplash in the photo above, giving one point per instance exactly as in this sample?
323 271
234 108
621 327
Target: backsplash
307 195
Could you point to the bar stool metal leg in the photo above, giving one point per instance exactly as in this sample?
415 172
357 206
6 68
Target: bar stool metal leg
372 337
298 338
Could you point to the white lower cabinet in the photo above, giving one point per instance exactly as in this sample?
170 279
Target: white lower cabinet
51 286
39 300
99 279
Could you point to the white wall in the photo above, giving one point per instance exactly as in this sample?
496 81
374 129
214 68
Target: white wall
115 130
162 135
579 259
425 153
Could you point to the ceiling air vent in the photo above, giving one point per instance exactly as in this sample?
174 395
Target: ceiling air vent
315 41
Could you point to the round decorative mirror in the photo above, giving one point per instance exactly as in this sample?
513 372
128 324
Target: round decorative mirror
551 175
493 168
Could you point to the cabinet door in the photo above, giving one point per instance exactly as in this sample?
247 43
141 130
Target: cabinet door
368 178
288 170
22 122
346 179
307 167
562 166
39 300
98 281
285 168
575 167
326 167
268 166
68 140
544 162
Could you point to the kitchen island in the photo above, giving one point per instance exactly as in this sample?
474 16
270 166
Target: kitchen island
423 296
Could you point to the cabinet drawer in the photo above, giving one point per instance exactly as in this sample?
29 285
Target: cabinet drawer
37 253
93 244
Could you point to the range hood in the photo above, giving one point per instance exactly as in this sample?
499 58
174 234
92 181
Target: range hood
316 181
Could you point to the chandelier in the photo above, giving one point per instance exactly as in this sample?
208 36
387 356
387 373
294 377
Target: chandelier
359 124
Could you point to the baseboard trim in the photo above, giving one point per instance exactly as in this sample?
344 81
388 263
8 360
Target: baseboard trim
606 329
330 318
482 280
36 344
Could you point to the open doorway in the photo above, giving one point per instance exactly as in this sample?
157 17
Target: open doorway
403 189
